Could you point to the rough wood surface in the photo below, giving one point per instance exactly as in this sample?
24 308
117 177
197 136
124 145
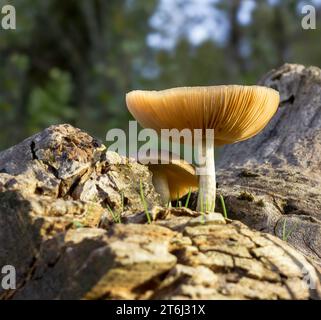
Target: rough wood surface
293 136
272 182
56 227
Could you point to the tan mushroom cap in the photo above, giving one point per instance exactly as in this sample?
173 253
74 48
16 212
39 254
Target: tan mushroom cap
235 112
181 175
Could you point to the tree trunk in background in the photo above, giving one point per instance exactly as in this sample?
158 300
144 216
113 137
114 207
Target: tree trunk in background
235 37
272 182
280 34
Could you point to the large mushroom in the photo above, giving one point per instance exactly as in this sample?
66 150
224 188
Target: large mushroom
172 179
235 113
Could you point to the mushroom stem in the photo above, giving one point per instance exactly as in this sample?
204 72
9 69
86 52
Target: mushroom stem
160 183
207 181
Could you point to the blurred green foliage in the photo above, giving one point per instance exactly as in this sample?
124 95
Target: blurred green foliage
50 103
73 61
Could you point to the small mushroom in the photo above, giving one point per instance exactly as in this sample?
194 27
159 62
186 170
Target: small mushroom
235 113
171 180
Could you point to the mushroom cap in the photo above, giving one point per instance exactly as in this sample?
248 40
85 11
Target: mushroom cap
235 112
181 175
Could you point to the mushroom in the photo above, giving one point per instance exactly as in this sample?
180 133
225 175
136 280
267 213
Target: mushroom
234 112
173 179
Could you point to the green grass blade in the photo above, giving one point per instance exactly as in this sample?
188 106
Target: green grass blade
201 200
115 217
144 202
122 201
188 197
223 206
284 231
202 209
119 218
286 236
213 206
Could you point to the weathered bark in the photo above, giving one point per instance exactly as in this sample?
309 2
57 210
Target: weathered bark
175 257
59 190
272 182
57 180
293 136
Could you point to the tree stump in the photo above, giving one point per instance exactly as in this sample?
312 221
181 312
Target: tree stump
272 182
60 192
